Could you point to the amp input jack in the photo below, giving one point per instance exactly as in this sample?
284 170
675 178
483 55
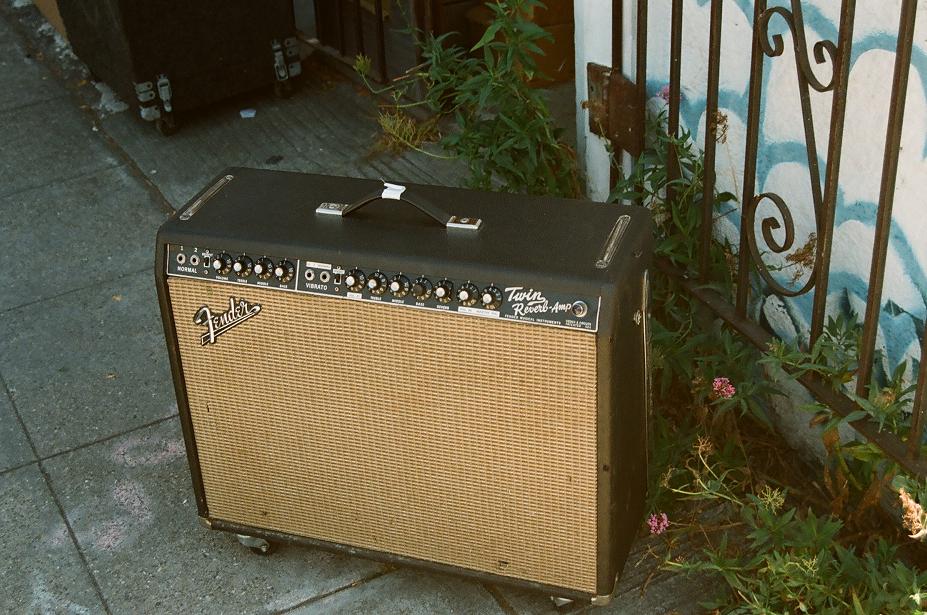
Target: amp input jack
195 260
324 277
181 258
309 275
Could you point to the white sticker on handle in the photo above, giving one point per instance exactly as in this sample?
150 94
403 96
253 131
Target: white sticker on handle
392 191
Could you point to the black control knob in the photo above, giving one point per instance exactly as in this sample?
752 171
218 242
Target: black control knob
377 283
468 294
399 285
264 268
355 280
491 298
284 271
421 288
444 291
221 263
243 266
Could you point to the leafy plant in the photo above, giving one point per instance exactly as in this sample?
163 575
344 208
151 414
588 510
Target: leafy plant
502 126
774 555
790 560
688 354
675 200
834 356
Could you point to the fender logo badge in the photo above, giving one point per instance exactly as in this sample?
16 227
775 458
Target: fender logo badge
239 311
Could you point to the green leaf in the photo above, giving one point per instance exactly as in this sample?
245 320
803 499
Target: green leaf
488 35
855 416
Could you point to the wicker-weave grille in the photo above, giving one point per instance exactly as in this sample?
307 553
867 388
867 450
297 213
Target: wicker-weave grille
454 439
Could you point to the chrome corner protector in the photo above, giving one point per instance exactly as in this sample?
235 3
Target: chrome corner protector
205 522
469 224
606 599
611 242
332 209
213 190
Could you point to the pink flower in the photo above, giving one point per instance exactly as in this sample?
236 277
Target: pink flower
664 92
722 387
658 523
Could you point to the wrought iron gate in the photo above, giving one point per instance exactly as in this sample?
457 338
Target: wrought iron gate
617 109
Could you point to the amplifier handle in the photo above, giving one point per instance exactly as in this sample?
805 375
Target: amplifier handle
394 192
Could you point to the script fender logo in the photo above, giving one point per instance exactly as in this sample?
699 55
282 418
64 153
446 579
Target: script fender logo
239 311
526 301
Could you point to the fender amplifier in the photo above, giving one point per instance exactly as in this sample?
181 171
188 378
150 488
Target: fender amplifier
423 375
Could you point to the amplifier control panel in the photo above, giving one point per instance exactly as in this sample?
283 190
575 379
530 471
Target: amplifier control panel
363 282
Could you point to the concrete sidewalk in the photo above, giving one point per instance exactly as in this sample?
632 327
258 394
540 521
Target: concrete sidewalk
96 507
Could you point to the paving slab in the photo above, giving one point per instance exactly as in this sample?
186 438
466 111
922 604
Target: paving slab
88 364
45 142
409 592
24 80
644 588
41 571
14 448
325 127
90 229
131 505
665 594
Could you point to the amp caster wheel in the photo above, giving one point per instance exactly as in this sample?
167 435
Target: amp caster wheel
258 546
263 551
166 125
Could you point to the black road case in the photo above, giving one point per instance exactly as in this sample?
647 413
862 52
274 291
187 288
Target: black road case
170 56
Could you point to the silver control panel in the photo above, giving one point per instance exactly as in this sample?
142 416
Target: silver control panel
487 298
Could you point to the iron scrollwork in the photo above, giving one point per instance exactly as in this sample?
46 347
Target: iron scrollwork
824 51
770 224
773 46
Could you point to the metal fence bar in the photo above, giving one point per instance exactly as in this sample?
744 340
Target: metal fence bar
807 116
825 218
617 38
342 42
675 95
381 41
641 53
711 138
886 195
359 28
618 65
916 435
750 154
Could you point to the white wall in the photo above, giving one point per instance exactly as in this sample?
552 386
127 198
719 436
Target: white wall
593 19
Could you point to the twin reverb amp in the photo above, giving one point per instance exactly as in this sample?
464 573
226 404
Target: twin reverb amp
429 376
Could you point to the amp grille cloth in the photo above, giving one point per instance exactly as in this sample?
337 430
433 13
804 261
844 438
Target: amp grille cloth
460 440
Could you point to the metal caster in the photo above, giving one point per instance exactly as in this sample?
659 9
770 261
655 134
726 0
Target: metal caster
258 546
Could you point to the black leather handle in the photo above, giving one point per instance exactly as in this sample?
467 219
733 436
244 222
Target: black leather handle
395 192
431 210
